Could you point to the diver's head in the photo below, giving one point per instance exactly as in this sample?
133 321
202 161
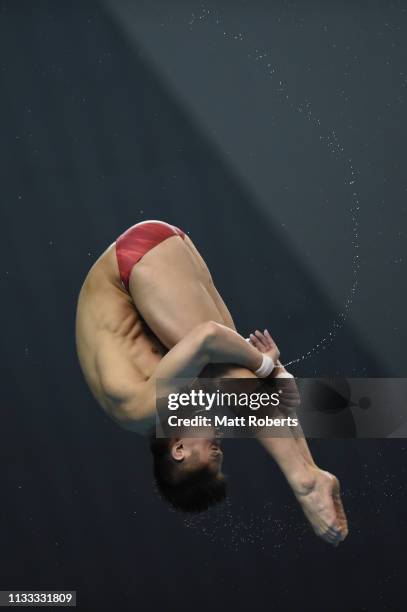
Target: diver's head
187 472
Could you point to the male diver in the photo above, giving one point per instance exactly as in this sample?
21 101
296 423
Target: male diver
148 309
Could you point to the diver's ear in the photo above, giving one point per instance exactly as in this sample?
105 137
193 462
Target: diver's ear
178 450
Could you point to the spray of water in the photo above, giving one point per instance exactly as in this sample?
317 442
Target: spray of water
330 139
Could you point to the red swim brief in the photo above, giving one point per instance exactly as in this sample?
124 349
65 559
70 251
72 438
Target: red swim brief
137 241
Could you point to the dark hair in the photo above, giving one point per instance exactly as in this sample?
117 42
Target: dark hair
190 491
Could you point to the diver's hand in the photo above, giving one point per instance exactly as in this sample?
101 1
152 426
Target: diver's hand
289 398
265 344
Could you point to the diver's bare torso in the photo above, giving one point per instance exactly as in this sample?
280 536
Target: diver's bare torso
110 333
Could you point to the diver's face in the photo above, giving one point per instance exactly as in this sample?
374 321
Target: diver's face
197 453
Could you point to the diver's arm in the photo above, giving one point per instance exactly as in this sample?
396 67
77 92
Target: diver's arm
207 343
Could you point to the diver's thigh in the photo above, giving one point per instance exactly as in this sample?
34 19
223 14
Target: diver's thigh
210 286
169 292
221 306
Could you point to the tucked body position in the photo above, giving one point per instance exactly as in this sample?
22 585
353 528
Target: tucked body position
148 309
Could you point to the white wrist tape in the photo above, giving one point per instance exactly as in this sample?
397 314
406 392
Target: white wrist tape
267 366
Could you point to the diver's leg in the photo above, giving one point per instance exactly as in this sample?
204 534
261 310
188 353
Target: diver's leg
317 491
219 303
171 291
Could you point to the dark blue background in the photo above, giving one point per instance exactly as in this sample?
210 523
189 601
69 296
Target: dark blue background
91 140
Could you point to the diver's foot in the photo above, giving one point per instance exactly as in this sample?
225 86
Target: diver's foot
322 505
